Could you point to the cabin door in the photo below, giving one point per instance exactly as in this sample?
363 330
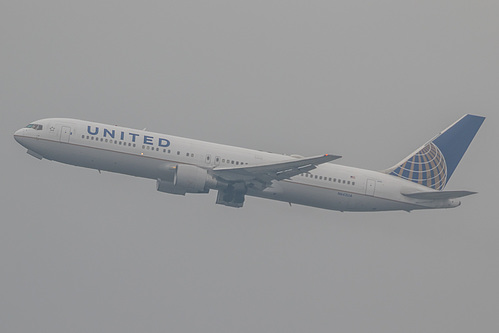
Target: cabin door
370 187
65 133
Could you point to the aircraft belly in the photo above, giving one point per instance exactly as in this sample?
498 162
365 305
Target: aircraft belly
106 160
329 198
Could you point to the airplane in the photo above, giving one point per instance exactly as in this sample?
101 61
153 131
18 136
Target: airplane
182 165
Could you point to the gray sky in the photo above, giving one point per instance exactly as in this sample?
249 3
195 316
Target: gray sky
370 80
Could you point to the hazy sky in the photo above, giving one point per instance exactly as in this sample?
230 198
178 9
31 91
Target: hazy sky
371 81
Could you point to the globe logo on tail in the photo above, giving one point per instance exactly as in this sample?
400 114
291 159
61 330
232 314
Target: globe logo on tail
426 167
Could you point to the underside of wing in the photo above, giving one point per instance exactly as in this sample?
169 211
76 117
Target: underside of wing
438 195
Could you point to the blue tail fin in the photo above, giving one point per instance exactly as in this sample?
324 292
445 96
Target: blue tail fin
434 163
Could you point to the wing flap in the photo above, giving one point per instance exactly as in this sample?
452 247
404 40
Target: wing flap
438 195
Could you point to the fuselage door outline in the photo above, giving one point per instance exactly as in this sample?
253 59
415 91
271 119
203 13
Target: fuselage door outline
65 133
370 187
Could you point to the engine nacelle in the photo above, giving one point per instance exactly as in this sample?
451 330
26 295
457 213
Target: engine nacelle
168 187
187 179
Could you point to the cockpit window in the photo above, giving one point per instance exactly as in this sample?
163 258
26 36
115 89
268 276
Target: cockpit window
35 127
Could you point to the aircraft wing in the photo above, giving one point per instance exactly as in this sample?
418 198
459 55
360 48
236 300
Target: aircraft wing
262 175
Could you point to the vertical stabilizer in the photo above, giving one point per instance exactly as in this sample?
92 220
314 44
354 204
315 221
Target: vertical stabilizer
433 164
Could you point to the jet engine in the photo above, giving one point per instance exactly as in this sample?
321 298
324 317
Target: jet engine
187 179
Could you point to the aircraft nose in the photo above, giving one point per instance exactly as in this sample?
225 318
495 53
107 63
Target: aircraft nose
18 135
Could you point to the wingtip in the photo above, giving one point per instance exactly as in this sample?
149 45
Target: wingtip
332 157
474 115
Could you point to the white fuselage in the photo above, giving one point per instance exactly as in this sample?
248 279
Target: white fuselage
151 155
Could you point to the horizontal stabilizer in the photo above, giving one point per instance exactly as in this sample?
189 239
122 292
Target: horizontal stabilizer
438 195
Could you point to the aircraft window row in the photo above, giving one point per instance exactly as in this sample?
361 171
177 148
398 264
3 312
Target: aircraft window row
150 148
330 179
35 127
116 142
166 151
233 162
